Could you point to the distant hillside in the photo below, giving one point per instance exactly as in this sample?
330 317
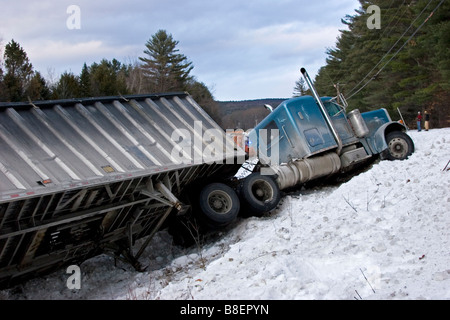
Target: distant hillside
244 114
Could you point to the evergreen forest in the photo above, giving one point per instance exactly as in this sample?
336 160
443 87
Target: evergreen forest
403 66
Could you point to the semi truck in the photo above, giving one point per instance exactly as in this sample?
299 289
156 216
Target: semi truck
82 177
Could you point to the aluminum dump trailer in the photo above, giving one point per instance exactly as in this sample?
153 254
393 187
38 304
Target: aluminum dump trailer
83 177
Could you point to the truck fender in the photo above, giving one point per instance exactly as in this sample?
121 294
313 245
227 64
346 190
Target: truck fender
378 143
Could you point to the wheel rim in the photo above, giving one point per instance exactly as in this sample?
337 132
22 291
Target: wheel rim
262 190
398 148
220 202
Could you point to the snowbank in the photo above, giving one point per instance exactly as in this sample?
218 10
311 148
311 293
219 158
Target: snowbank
384 234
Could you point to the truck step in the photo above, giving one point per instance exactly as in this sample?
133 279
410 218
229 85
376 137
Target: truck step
353 156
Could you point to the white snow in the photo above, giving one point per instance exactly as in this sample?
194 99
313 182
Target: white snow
384 234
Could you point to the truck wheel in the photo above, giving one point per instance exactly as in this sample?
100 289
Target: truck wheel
260 194
400 145
219 204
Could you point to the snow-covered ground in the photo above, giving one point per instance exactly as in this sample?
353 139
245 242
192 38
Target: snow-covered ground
384 234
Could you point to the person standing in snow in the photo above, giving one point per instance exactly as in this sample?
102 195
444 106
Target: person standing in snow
427 121
419 120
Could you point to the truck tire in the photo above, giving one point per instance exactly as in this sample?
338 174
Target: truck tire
260 194
219 205
400 146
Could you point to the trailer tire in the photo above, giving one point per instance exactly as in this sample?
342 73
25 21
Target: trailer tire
260 194
219 205
400 146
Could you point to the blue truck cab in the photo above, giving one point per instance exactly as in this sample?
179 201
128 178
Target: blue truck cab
310 137
303 131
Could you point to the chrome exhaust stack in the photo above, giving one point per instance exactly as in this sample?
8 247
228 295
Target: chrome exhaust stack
323 110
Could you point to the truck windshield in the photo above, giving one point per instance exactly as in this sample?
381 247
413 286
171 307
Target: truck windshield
332 108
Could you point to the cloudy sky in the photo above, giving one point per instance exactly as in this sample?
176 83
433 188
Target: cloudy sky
241 49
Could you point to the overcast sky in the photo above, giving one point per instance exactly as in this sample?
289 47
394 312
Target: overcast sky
240 49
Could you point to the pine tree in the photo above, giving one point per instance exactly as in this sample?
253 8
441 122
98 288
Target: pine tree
165 68
38 88
300 89
3 95
68 87
108 78
85 82
19 71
